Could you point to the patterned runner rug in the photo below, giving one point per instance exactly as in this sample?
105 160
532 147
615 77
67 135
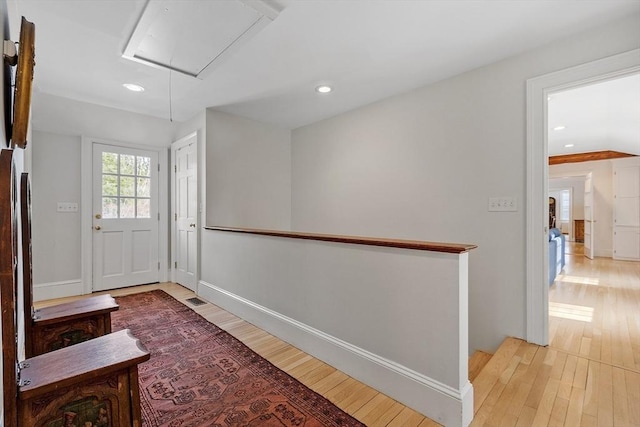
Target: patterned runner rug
199 375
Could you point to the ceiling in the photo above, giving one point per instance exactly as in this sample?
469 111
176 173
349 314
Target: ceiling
366 49
601 116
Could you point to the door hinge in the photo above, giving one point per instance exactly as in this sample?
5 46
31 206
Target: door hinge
158 216
175 216
175 264
158 265
158 167
175 168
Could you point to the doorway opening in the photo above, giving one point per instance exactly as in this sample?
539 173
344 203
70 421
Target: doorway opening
539 90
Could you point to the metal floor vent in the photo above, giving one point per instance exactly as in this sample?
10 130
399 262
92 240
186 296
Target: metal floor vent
195 301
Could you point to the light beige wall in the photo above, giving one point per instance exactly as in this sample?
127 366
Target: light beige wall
248 174
423 165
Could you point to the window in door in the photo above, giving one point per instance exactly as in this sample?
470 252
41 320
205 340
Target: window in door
126 186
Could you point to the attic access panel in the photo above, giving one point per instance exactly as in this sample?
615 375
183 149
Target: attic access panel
191 37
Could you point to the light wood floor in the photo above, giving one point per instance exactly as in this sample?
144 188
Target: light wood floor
588 376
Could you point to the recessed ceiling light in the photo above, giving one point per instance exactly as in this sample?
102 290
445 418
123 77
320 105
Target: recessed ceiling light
568 145
133 87
559 127
324 89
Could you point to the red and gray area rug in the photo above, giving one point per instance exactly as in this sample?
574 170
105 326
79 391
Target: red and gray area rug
199 375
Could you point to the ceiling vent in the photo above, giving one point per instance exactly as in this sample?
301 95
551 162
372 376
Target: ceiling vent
191 37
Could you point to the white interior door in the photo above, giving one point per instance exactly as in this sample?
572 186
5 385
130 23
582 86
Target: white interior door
185 167
588 217
125 217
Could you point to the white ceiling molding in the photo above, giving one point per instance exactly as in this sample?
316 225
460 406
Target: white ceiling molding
193 37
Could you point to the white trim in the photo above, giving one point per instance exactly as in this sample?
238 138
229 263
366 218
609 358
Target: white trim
175 146
66 288
86 196
411 388
538 89
86 201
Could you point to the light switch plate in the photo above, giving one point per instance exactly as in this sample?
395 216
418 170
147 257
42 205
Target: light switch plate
503 204
67 207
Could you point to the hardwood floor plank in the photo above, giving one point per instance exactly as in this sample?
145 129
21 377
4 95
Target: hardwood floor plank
620 399
406 418
387 416
632 381
526 417
329 382
574 410
580 375
315 375
591 391
588 421
478 361
568 375
546 403
558 412
493 369
375 408
605 396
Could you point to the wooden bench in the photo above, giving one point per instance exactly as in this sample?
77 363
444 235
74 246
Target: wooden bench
92 383
62 325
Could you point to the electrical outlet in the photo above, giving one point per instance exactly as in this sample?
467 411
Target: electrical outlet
503 204
67 207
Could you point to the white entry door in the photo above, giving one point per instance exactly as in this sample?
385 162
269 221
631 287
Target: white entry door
125 217
588 217
185 214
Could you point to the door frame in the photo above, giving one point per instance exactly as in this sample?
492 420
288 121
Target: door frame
537 210
175 146
86 202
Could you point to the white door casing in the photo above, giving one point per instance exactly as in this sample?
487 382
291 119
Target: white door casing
184 155
125 217
537 252
589 217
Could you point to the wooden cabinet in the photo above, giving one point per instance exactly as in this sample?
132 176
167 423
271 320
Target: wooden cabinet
626 209
578 230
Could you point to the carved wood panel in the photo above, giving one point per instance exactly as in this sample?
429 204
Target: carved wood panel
103 402
52 337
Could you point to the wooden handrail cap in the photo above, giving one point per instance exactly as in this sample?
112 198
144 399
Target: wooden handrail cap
355 240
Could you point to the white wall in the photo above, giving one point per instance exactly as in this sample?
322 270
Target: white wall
59 125
422 165
602 199
69 117
396 319
248 175
56 236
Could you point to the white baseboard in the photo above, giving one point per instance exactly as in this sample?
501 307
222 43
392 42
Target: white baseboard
603 253
67 288
437 401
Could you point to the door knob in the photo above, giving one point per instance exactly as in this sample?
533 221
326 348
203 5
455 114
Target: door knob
192 225
97 227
